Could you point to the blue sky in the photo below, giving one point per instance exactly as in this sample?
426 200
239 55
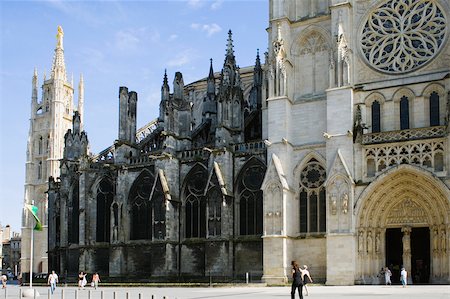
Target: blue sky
112 43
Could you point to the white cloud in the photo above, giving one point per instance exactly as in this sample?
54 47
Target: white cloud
210 29
195 3
216 4
130 39
172 37
181 58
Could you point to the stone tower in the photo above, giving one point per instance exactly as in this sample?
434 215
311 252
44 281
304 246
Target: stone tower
51 117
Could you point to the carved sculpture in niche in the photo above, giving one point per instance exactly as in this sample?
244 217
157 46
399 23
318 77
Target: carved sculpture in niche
280 68
369 242
333 205
345 203
377 242
435 240
443 240
361 241
406 239
332 70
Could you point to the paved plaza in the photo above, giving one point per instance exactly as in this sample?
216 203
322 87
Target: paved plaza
260 292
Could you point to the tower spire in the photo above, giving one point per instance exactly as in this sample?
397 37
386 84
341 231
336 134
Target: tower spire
257 71
81 101
59 67
165 90
34 91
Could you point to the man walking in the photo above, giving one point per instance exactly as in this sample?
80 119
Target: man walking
52 281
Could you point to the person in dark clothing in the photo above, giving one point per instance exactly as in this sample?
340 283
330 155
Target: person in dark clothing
297 281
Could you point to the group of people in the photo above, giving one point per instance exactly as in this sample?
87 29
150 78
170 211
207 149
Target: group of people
387 276
300 277
53 280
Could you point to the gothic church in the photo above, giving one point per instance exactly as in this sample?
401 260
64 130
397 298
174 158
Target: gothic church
333 152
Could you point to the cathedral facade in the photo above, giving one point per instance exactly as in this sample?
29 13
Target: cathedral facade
334 152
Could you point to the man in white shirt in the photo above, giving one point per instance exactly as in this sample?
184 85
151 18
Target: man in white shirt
52 280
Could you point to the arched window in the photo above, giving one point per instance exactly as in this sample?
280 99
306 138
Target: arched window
105 194
195 203
140 210
40 145
376 124
251 198
312 198
214 211
404 113
39 170
74 216
434 109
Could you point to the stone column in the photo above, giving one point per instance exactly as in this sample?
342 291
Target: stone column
406 240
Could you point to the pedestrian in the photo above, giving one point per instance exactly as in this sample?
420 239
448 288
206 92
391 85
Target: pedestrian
81 280
95 280
306 277
404 277
4 279
52 281
387 276
297 281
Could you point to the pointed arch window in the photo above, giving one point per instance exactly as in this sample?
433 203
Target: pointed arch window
158 208
195 203
376 117
404 113
74 216
250 198
40 145
140 210
312 198
105 195
434 109
39 170
214 211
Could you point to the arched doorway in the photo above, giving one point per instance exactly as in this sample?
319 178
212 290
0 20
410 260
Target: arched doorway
402 220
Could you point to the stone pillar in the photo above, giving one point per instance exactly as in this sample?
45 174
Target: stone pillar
406 240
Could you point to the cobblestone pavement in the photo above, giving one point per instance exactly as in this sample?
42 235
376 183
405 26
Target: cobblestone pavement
260 292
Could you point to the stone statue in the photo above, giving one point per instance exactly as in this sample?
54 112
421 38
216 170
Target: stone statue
333 205
361 241
377 242
369 242
345 203
59 37
443 241
406 241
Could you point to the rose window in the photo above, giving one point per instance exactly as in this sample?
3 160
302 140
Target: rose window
401 36
313 175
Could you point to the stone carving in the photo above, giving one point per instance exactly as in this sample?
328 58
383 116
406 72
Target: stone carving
435 240
377 242
361 241
369 242
406 240
407 212
443 241
396 37
345 203
333 205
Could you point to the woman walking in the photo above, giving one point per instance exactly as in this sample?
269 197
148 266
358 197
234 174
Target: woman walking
297 282
306 277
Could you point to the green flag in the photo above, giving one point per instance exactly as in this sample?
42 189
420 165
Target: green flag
34 210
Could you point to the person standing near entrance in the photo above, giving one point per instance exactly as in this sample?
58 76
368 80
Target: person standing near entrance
4 279
387 276
95 280
297 282
52 281
404 277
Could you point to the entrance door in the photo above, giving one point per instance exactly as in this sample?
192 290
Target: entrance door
394 252
420 255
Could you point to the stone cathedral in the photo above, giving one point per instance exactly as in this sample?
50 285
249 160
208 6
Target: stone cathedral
333 152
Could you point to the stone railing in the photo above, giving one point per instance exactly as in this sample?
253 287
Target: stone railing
106 155
194 154
250 147
146 130
403 135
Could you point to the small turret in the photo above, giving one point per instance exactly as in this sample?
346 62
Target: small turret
257 71
165 89
211 88
127 115
178 86
76 123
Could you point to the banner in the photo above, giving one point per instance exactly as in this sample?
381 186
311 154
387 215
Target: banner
34 210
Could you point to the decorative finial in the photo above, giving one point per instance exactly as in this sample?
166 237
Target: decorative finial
229 43
35 74
59 38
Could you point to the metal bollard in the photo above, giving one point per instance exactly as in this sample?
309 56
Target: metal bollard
114 295
5 293
49 294
89 294
62 294
101 295
140 296
20 293
246 277
34 293
76 294
128 296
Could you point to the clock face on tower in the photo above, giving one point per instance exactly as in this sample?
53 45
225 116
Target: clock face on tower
401 36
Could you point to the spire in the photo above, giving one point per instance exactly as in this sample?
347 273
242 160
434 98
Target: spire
34 91
81 101
59 67
211 89
165 90
257 71
229 56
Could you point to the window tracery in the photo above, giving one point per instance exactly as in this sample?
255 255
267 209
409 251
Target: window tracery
312 198
105 195
195 203
402 36
140 210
